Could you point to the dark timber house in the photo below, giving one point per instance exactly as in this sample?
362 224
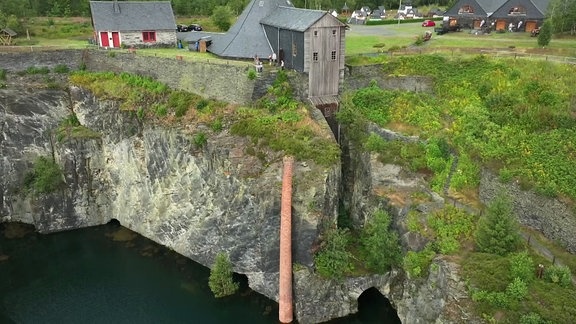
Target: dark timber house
524 15
308 41
133 23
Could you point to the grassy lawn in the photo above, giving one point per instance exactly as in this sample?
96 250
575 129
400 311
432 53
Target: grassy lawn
74 32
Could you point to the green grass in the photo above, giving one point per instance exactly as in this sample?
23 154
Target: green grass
489 272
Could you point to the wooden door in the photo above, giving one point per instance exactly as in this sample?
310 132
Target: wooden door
116 39
530 25
104 39
501 25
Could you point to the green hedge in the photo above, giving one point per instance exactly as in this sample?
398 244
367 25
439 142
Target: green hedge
402 21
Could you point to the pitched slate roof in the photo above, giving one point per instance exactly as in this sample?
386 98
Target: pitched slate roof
536 9
532 12
293 18
478 9
246 37
9 32
132 15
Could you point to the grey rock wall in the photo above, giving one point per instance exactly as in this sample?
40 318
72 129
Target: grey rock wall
554 218
154 180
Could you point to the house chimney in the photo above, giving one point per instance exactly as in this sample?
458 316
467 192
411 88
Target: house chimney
116 7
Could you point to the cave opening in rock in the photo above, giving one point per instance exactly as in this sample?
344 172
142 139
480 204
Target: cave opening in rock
373 306
114 222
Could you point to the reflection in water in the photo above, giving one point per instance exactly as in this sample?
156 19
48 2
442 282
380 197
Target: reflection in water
108 274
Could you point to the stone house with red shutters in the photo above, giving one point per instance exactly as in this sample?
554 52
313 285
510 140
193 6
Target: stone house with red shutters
138 24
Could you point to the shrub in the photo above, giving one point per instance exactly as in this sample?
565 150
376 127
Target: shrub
333 260
200 139
61 68
496 299
531 318
221 282
517 289
252 74
202 104
497 231
216 125
2 74
379 243
559 275
522 266
222 17
450 225
416 263
45 177
37 70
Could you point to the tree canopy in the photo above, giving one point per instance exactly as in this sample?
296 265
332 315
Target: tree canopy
497 231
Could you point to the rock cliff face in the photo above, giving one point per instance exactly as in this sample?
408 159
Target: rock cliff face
154 180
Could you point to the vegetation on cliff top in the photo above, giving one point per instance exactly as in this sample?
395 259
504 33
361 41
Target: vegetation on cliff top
516 118
276 121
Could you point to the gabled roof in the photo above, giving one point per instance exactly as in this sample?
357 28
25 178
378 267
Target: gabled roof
9 32
479 10
532 11
499 8
541 5
246 37
132 15
284 18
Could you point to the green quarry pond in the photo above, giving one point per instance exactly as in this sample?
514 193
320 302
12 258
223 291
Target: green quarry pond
108 274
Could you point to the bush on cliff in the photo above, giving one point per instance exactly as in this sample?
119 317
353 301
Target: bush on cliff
45 177
333 260
379 243
220 281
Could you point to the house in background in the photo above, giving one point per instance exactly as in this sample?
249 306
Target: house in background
310 41
307 41
133 24
523 15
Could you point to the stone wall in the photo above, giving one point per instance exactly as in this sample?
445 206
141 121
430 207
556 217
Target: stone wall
554 218
134 39
356 77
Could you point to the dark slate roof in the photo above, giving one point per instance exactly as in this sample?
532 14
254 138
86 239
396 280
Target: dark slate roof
536 9
479 10
246 37
542 5
532 11
293 18
9 32
132 15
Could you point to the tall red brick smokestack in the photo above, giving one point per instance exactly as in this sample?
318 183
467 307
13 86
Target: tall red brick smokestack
285 284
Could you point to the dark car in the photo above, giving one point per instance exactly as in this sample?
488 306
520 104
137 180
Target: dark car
195 27
428 23
191 27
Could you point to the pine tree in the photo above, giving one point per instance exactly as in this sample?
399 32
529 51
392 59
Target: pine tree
545 35
220 280
497 231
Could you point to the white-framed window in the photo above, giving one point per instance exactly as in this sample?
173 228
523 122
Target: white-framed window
333 56
315 56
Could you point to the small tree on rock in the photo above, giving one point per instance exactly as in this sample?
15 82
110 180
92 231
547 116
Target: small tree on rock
497 231
220 281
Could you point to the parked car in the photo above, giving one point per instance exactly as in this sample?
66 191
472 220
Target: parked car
191 27
428 23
